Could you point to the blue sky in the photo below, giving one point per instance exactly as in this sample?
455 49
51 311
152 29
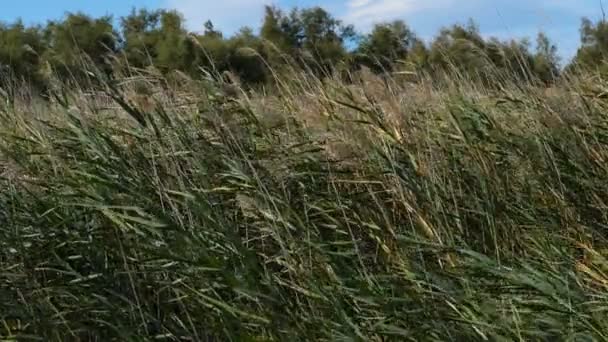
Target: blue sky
502 18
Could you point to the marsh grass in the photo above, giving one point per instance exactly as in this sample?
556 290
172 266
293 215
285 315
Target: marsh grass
312 210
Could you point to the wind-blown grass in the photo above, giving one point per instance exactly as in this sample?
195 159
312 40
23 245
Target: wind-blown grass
376 211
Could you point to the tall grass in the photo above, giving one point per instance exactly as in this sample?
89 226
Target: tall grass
317 210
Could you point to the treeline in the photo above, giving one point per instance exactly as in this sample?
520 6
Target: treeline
311 37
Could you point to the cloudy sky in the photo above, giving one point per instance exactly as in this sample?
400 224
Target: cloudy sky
502 18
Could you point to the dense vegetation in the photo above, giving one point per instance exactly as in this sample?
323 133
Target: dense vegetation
310 37
151 196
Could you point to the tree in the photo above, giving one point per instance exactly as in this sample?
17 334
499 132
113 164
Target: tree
212 50
280 29
546 60
80 39
387 43
158 38
464 50
140 32
313 38
510 58
20 53
418 55
312 35
459 47
594 44
246 56
323 37
210 30
171 52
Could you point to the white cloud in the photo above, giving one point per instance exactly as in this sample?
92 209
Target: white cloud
364 13
226 15
359 3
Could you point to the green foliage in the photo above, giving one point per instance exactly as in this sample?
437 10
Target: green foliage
77 40
141 33
213 52
460 47
311 35
594 44
309 209
463 50
170 47
546 60
388 43
513 57
247 56
20 51
322 211
323 36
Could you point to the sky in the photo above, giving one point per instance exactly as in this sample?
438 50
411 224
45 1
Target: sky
560 19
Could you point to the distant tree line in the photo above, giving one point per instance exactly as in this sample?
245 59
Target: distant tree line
311 37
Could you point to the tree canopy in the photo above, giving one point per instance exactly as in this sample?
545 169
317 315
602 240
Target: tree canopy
312 37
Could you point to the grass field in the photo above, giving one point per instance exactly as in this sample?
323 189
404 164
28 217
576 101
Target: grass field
314 210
